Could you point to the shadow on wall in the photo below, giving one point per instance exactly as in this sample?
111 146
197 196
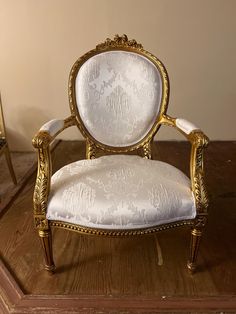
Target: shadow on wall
27 122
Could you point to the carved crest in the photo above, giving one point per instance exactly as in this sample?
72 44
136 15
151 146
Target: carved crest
119 41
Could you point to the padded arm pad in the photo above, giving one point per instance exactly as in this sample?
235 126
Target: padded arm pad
185 126
53 126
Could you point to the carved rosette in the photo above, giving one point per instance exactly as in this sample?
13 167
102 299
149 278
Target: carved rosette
41 222
41 140
119 41
200 222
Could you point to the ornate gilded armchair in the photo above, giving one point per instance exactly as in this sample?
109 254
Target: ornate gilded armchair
118 95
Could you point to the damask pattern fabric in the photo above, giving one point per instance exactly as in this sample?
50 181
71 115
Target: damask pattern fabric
120 192
53 126
118 96
185 126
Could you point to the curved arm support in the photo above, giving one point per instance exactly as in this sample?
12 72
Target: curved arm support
50 130
42 141
199 141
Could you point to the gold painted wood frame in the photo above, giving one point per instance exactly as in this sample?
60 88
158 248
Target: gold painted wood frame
118 44
43 139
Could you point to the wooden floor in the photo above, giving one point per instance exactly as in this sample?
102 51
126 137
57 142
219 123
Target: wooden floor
25 164
149 267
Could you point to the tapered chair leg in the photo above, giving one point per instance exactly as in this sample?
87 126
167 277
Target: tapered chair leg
10 166
194 247
46 240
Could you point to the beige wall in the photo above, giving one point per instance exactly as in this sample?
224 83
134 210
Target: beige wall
40 40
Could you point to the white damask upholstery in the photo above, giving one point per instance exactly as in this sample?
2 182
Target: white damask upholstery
118 96
53 126
120 192
185 126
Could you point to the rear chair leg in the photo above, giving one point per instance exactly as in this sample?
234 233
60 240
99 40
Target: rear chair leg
10 166
46 240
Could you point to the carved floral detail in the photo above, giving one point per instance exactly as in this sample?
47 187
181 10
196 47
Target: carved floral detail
201 195
42 182
42 139
119 41
200 141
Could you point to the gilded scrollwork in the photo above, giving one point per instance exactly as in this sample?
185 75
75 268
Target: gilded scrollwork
42 139
199 142
42 185
119 41
200 191
199 139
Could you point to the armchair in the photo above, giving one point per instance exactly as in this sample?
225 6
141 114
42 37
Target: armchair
118 95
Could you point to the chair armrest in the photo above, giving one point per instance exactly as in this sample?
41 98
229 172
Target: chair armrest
199 141
185 126
42 141
53 127
50 130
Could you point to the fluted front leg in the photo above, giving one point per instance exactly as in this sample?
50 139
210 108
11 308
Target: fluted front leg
41 142
196 235
194 248
46 240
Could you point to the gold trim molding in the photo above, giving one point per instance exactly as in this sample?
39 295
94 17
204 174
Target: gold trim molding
118 233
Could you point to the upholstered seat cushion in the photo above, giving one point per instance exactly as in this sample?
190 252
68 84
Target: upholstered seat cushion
120 192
